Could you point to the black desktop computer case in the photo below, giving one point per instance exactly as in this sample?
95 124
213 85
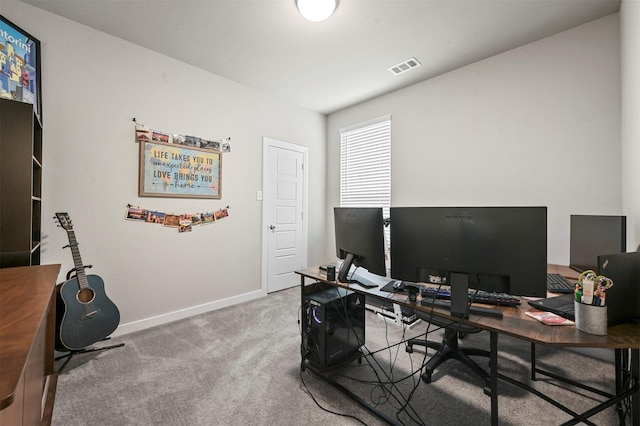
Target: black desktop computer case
333 328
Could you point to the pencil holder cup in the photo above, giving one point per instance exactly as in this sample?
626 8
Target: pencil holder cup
591 319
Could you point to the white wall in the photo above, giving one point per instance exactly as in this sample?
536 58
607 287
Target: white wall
537 125
93 86
630 52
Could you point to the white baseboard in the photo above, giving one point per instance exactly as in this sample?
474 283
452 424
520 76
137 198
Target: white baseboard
185 313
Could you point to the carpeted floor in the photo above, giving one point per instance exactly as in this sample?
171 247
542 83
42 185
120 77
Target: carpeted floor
241 366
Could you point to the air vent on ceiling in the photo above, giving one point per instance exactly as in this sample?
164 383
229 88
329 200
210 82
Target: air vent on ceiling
404 66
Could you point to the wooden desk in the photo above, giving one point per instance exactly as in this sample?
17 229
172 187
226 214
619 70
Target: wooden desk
27 338
517 324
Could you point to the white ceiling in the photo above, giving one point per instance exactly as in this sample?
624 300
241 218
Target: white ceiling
331 65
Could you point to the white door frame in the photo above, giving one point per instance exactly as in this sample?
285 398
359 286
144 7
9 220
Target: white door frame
266 144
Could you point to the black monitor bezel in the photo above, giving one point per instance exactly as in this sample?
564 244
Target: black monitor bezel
521 255
359 238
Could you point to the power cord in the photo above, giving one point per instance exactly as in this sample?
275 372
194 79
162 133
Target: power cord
306 390
389 388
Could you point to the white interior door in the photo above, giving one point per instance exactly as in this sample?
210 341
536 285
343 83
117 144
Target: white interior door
284 213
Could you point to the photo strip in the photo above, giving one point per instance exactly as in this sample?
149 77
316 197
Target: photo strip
145 134
184 222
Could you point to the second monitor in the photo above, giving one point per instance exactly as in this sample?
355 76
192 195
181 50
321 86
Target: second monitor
593 235
359 233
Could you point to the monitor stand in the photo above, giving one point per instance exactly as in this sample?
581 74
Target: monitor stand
459 305
459 294
343 275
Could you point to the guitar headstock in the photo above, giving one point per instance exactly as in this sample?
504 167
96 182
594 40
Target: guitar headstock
64 220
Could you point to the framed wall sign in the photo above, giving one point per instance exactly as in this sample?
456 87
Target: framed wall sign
19 66
171 170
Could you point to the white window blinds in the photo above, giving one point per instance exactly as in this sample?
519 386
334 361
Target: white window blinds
365 164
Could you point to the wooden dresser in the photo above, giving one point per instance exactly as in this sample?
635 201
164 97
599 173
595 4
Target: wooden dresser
27 339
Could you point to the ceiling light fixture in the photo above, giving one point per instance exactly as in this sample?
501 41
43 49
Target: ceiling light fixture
316 10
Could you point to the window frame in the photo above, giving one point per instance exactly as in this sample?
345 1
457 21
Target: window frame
366 147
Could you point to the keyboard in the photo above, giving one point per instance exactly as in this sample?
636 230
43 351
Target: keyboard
556 283
567 310
488 298
473 309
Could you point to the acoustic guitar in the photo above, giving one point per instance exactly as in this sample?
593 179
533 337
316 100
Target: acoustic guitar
84 313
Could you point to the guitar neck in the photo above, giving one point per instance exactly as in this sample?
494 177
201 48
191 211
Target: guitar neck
77 260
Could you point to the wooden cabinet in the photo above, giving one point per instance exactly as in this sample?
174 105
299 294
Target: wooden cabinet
27 339
20 184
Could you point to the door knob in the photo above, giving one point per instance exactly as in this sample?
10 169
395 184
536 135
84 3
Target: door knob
272 227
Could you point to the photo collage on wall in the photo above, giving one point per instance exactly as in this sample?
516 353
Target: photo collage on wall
145 134
183 222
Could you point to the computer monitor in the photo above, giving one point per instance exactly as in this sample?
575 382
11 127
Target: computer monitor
360 239
497 249
593 235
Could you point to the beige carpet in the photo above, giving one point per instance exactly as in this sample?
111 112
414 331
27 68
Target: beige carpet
241 366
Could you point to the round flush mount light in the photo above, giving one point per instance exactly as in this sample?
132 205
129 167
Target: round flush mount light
316 10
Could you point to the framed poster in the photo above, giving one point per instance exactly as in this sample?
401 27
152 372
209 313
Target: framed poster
19 66
170 170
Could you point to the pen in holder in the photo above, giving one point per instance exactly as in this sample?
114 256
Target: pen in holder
590 303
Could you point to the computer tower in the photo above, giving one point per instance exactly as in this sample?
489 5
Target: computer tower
334 327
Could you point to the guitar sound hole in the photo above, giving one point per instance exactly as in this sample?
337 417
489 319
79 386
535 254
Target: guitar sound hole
86 295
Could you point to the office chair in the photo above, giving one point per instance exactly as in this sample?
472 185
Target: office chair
449 348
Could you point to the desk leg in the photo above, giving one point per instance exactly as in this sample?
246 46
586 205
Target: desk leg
621 358
303 318
493 379
533 361
635 398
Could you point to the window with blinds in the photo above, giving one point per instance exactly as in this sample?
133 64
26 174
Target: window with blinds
365 165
